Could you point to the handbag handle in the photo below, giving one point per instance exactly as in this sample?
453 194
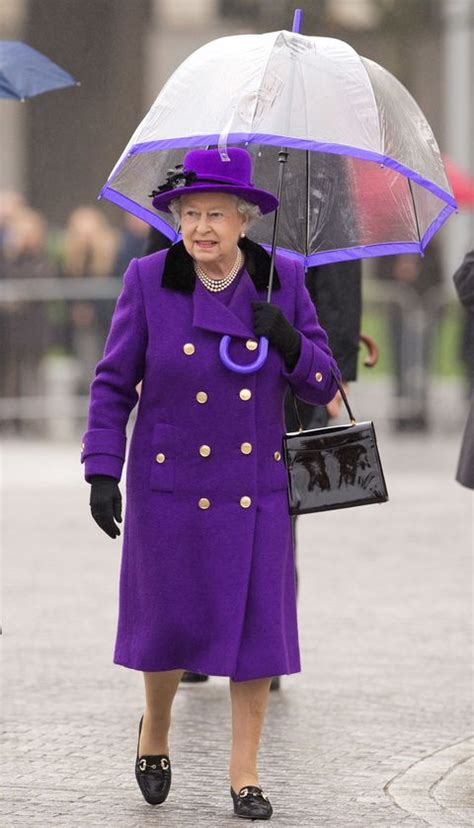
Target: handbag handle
343 395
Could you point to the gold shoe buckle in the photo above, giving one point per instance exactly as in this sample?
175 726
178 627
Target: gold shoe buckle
245 792
163 762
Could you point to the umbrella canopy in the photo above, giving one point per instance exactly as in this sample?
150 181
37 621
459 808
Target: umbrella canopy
24 72
364 176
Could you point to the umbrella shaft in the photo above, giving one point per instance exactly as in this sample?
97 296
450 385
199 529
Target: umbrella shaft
282 158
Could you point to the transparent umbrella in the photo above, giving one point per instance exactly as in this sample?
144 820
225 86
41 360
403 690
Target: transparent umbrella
363 174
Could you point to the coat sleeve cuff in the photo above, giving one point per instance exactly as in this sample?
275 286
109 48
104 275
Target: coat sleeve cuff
311 378
103 452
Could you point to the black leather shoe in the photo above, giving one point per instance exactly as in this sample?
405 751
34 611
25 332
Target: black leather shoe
153 774
251 803
190 678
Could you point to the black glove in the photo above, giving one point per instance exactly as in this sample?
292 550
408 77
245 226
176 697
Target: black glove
106 503
270 321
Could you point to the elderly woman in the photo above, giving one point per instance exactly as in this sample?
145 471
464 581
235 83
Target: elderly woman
207 579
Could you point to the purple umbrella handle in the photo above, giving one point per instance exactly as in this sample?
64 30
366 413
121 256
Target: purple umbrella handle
243 369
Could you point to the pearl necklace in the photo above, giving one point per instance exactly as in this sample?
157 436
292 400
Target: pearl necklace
216 285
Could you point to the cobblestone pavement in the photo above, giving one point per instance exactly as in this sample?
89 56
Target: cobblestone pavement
376 729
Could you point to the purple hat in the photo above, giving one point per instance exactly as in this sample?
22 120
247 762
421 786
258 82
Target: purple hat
204 171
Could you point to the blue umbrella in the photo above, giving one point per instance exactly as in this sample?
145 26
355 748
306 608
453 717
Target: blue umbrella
24 72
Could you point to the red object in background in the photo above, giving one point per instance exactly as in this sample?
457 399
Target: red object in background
462 184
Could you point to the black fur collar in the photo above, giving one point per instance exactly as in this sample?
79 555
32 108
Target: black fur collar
178 273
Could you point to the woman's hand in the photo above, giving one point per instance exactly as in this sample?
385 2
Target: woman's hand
106 503
270 321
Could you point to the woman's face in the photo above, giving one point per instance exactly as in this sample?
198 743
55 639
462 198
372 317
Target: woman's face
211 226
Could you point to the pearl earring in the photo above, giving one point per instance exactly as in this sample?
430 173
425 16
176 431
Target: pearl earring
242 235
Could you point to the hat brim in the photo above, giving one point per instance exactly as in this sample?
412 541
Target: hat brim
265 200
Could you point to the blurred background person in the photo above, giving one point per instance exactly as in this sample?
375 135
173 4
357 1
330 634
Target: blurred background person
413 315
466 333
336 291
90 251
464 284
25 330
132 239
11 203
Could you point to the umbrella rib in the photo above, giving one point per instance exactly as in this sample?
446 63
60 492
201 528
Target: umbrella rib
414 210
308 170
262 77
307 201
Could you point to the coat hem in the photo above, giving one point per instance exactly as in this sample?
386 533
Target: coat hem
122 662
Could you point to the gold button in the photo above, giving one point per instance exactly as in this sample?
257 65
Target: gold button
204 503
277 455
245 502
318 376
251 344
160 458
246 448
245 394
189 348
201 397
204 451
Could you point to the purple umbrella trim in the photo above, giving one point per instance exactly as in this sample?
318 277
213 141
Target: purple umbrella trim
295 143
325 257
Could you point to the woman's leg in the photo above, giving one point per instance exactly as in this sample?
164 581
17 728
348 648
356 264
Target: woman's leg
249 701
160 689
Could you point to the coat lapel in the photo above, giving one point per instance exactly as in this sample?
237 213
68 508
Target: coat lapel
235 319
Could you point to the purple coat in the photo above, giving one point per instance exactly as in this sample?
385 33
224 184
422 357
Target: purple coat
207 580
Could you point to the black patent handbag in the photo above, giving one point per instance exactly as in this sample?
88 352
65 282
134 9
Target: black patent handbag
333 467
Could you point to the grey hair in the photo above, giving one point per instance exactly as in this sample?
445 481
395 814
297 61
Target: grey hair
252 211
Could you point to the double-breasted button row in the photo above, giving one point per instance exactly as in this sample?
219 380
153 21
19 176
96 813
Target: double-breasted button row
245 502
189 348
244 394
205 451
